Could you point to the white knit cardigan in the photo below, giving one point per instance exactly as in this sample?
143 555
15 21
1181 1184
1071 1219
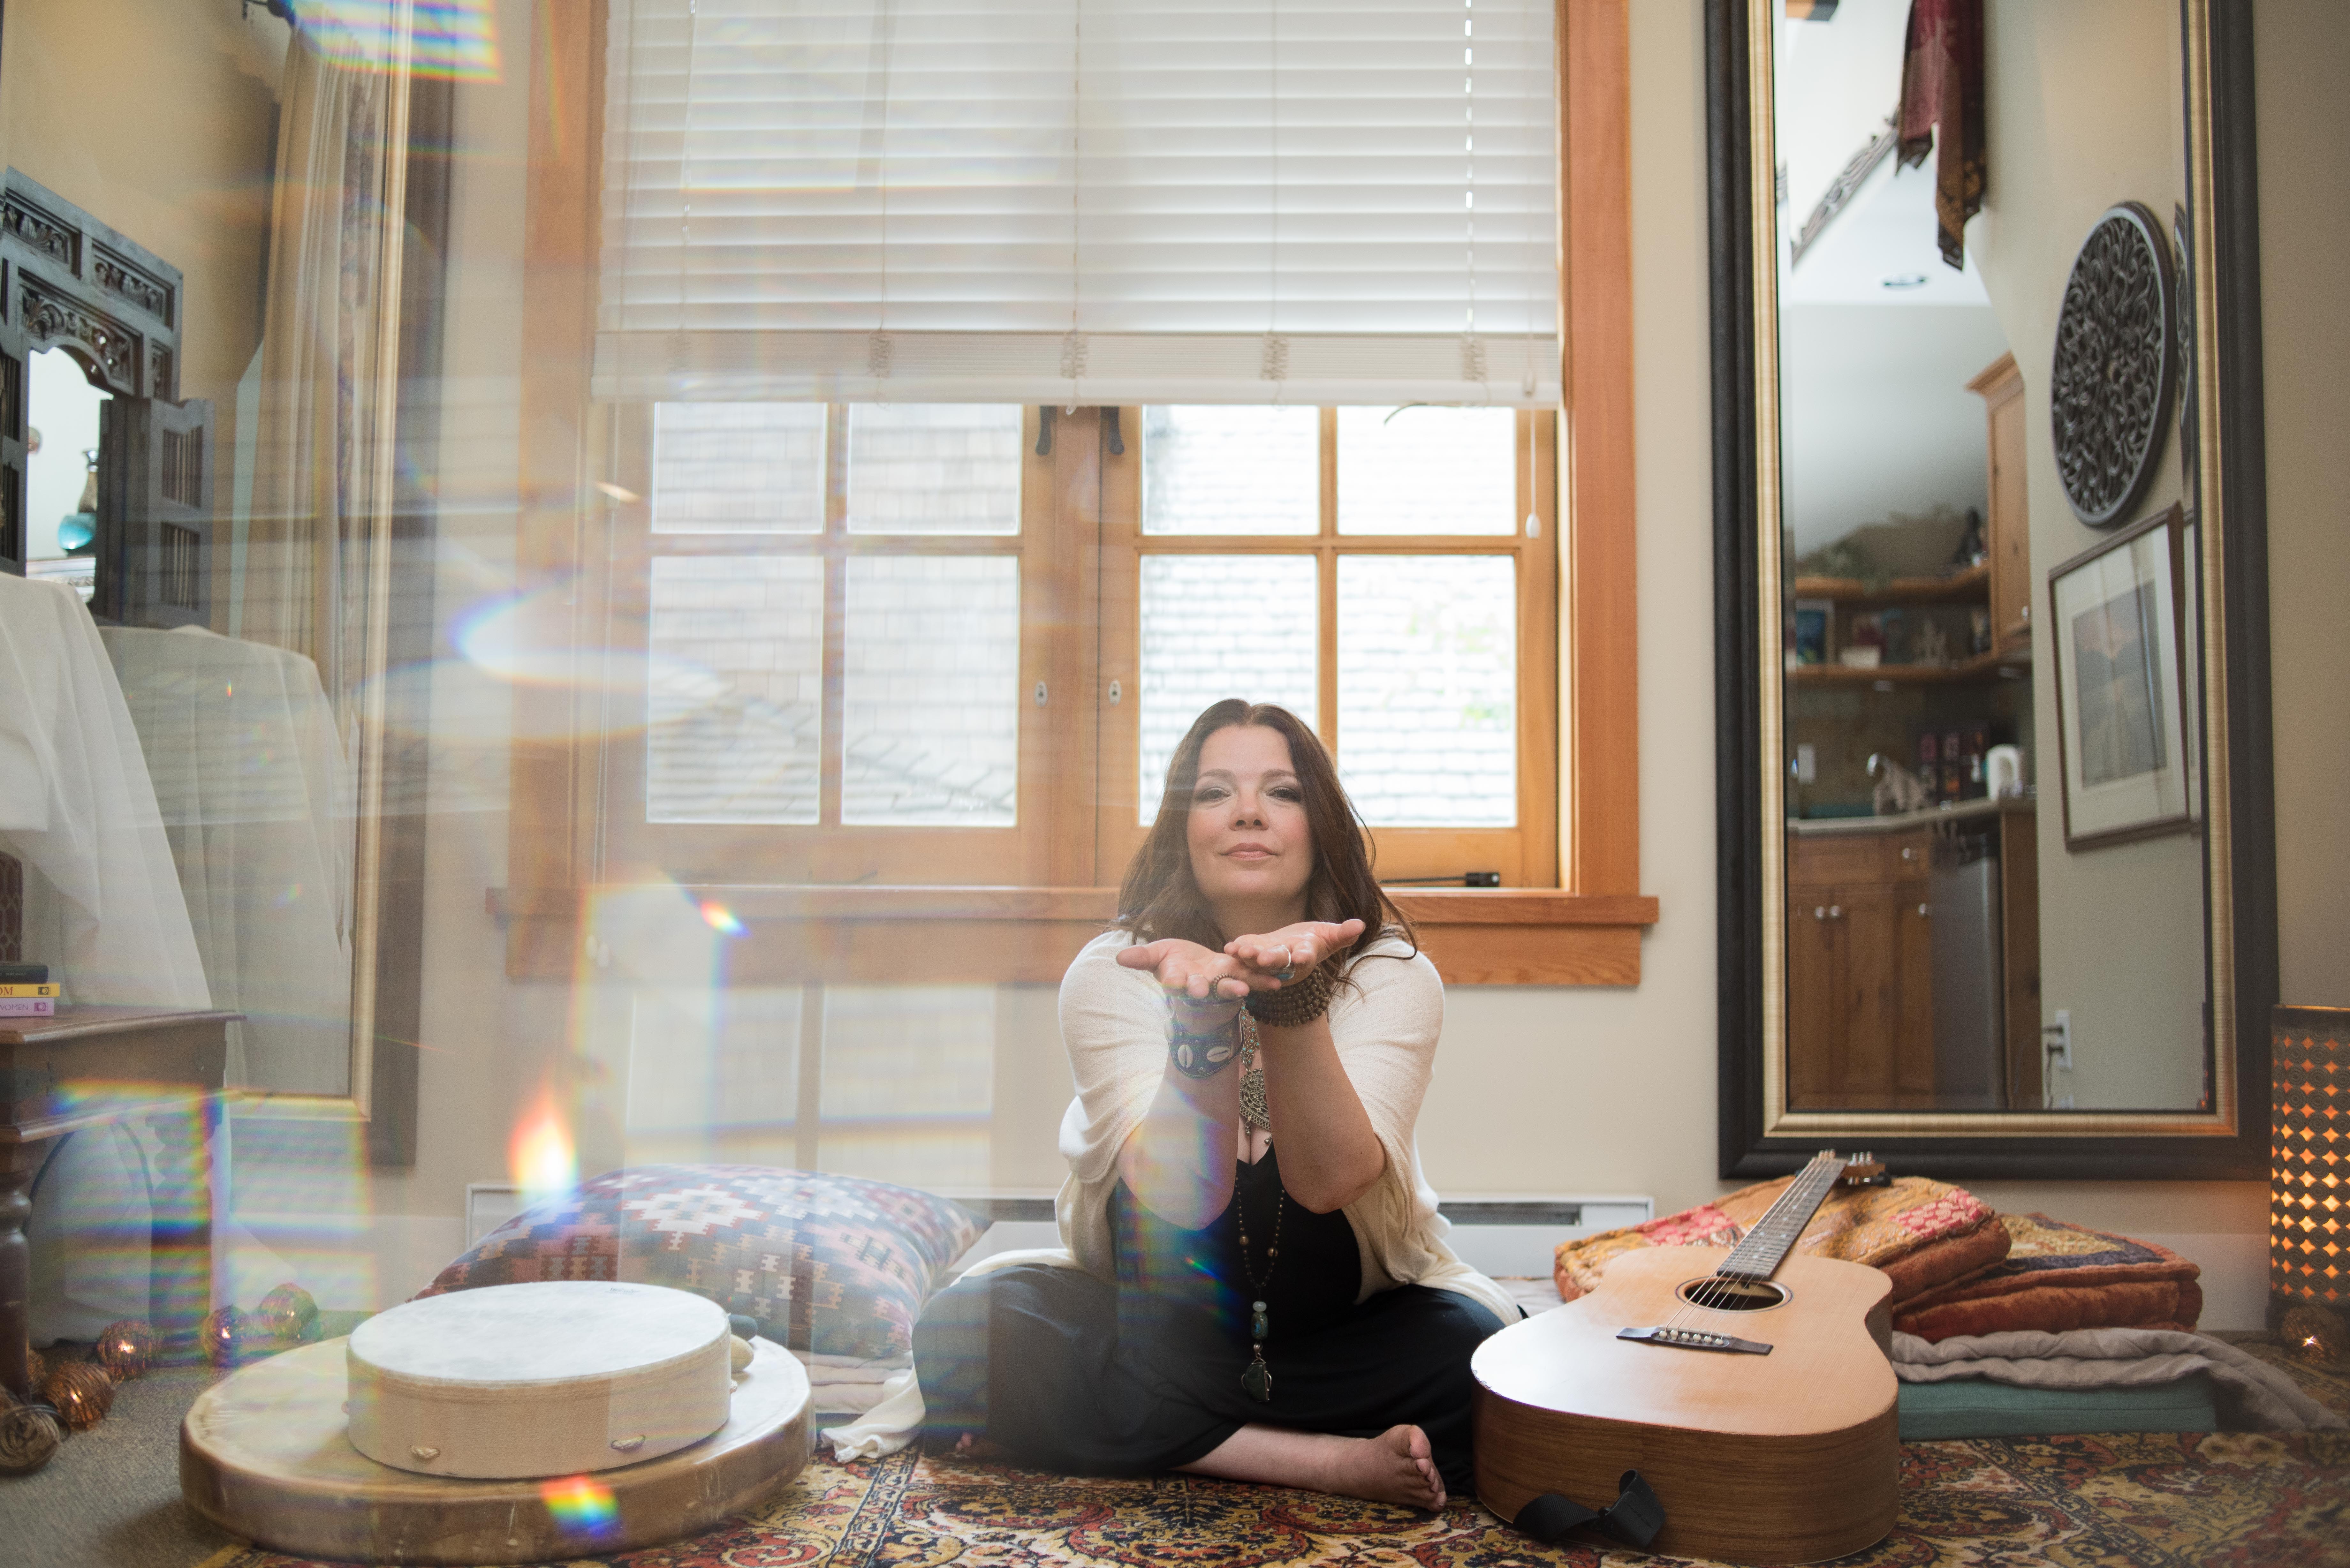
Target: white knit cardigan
1113 1022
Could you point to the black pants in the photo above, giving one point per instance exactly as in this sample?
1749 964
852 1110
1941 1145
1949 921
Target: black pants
1031 1358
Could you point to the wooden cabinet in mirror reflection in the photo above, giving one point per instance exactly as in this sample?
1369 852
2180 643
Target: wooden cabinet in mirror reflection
1866 1026
1860 973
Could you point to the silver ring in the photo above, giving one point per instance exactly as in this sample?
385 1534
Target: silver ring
1286 975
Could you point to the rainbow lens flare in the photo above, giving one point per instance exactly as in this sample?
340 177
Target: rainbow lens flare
453 39
541 1155
581 1508
722 919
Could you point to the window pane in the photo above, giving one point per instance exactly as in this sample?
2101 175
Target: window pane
1215 627
932 701
1243 470
1428 471
738 468
934 468
1427 657
734 685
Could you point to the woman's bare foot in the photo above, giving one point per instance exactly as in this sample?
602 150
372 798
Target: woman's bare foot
1397 1466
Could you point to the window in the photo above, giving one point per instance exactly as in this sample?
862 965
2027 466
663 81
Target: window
827 607
631 309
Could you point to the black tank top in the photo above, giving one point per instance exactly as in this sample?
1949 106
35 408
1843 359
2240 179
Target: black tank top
1311 1283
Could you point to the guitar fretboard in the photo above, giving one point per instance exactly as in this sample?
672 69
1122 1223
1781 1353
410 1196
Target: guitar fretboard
1766 1245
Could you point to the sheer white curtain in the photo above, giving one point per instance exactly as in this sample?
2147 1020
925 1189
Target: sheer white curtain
1334 201
322 478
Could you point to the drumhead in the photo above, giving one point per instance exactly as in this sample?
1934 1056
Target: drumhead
551 1331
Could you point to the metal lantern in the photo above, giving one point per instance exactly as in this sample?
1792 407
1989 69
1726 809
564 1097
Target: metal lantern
223 1334
126 1348
2309 1156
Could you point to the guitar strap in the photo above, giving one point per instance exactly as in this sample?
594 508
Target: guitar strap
1633 1518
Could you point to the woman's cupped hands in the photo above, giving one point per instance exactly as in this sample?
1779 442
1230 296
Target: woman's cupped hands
1206 979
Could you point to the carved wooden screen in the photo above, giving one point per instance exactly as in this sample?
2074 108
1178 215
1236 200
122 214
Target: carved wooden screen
74 284
12 433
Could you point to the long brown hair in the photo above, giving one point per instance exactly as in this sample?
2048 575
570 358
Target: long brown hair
1160 898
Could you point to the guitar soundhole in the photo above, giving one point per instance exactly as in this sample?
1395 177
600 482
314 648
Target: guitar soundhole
1732 1295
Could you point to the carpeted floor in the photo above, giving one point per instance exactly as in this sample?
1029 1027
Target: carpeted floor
2165 1500
2171 1500
111 1496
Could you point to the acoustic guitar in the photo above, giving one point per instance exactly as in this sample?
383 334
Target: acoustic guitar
1751 1389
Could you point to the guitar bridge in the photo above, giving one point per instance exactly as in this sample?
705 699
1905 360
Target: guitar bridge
1693 1339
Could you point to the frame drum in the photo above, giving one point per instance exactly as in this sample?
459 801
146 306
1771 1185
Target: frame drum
264 1455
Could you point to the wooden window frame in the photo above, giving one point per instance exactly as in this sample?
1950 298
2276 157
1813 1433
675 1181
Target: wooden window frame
1585 931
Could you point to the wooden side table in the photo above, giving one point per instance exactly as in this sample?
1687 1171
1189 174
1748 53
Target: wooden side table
92 1067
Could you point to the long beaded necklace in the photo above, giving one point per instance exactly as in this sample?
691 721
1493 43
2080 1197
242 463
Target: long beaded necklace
1256 1378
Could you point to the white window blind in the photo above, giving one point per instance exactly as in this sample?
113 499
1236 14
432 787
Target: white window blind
1095 201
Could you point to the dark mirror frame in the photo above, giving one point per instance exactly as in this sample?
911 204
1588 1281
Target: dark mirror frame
2081 1152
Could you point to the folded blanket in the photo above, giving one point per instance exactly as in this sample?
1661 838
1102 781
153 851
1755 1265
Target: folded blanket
844 1370
2057 1277
1922 1233
2254 1394
846 1398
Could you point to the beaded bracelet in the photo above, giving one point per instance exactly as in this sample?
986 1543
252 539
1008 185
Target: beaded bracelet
1300 1002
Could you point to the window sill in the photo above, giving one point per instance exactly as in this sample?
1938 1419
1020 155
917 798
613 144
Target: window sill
865 935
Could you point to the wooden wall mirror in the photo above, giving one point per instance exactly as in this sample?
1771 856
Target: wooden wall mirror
251 389
1996 862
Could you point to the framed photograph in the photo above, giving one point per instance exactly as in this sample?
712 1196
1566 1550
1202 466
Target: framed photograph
2121 726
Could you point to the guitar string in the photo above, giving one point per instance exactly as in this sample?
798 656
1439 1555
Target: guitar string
1785 1224
1710 1291
1720 1287
1772 1233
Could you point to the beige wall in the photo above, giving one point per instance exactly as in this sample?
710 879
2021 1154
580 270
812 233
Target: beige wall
2085 111
153 116
1538 1090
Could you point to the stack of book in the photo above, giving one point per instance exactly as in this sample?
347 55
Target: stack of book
25 992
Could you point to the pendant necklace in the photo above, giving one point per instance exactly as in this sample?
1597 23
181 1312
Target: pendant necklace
1256 1378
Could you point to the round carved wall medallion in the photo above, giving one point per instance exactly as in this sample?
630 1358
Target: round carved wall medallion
2116 364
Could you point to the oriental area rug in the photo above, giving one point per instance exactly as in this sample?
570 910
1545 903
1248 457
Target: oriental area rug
2150 1501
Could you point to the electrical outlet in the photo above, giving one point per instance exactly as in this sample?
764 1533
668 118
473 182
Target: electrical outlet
2059 1038
1807 764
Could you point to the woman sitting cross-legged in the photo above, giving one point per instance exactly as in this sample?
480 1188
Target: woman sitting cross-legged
1261 1288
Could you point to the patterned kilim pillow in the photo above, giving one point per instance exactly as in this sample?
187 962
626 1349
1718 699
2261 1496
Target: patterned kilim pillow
830 1264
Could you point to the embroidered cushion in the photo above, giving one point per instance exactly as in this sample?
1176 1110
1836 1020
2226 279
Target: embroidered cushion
1923 1233
833 1265
2057 1277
